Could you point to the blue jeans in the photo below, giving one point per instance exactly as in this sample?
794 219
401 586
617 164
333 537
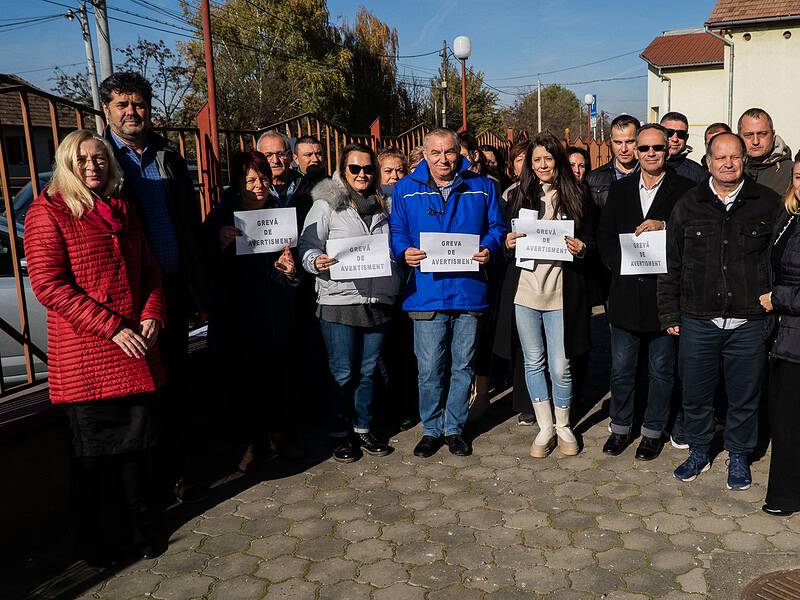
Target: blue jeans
541 334
741 351
447 340
352 357
625 346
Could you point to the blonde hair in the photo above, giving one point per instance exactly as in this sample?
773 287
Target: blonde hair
66 179
791 202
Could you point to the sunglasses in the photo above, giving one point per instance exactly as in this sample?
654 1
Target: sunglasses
655 147
356 169
681 133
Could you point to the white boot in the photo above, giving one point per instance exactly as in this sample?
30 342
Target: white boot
545 440
567 443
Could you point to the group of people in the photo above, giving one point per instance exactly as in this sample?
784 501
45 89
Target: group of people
118 255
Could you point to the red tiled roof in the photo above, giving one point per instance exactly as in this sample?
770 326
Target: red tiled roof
673 50
732 11
11 112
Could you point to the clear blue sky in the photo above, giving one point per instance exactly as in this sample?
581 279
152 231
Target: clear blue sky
510 38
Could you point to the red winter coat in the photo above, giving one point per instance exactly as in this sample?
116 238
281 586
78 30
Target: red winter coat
91 281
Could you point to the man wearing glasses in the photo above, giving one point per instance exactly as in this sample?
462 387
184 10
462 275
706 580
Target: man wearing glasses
443 196
718 243
677 127
637 205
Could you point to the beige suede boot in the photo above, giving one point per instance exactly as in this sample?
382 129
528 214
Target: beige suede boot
567 443
545 440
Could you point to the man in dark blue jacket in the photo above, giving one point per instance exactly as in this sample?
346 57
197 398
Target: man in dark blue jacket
443 196
677 126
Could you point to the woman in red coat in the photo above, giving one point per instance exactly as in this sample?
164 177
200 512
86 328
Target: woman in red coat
90 268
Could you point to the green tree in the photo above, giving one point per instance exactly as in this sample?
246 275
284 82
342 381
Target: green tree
482 110
273 59
560 110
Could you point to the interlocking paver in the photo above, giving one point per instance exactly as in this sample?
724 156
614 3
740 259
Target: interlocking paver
239 588
497 525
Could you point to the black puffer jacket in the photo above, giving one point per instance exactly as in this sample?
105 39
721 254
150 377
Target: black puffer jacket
786 294
686 167
717 260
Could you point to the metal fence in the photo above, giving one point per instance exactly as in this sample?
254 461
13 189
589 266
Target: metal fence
32 124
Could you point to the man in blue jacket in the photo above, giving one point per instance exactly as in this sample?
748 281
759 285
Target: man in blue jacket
443 196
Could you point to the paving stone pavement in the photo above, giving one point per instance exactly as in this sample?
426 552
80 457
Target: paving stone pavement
497 525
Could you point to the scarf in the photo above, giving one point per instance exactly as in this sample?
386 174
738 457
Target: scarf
108 214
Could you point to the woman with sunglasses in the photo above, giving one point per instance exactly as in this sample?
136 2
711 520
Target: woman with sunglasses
544 309
355 313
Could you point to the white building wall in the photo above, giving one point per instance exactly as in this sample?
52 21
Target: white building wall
764 76
700 94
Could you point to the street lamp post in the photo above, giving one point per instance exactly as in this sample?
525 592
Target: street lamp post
588 99
462 48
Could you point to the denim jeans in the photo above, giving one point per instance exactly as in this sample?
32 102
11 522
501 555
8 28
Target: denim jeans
625 346
447 340
352 357
541 334
702 345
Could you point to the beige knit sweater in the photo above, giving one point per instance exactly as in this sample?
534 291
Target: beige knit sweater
541 288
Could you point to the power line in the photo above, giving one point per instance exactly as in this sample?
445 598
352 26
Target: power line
589 64
50 68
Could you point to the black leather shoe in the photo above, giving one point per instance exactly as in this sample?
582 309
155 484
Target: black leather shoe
616 443
649 448
408 423
372 445
457 445
346 451
427 446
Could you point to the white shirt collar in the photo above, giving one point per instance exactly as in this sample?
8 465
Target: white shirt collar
655 187
730 198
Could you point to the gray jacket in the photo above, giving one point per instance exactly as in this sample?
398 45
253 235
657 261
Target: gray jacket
332 216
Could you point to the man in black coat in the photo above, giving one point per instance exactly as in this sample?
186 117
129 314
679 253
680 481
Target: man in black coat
677 127
718 266
638 205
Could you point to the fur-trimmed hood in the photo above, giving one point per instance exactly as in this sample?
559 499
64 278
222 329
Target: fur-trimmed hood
333 191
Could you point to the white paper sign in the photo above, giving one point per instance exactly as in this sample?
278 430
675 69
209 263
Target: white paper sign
265 230
544 240
360 257
643 255
525 214
447 252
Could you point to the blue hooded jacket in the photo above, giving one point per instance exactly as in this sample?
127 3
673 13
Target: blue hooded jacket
472 207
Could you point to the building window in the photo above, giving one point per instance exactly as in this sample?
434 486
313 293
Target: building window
15 149
787 34
747 37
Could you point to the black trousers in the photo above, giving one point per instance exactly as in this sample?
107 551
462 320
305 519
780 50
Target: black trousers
783 491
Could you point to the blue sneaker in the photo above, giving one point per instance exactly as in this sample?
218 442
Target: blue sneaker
738 472
698 462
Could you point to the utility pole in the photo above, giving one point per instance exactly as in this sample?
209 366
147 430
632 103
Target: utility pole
580 121
87 41
539 102
444 83
103 38
435 107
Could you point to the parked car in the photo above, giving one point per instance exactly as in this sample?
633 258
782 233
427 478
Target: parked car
12 359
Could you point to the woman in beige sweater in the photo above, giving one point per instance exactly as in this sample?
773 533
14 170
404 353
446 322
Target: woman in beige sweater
549 301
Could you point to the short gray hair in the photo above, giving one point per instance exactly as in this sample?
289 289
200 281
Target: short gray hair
442 132
655 127
287 145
